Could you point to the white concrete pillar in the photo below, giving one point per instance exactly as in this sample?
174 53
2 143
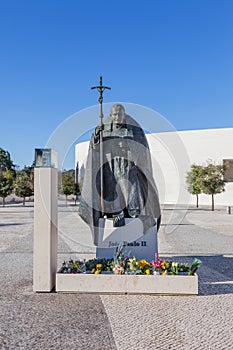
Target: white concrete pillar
45 229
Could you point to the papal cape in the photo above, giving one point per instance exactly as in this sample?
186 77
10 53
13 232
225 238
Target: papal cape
126 161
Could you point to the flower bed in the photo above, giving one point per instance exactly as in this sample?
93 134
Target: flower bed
127 275
123 265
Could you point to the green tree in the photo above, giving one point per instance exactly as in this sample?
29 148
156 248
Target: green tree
60 182
23 184
5 161
68 181
7 174
29 170
6 184
76 191
212 180
193 180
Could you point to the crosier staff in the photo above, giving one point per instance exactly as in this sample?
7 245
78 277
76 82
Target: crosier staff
101 89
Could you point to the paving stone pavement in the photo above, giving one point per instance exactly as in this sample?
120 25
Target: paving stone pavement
97 322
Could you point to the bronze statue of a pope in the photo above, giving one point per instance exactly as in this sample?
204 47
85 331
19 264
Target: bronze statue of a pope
118 181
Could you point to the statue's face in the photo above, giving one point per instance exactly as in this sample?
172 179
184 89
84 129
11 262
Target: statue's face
118 115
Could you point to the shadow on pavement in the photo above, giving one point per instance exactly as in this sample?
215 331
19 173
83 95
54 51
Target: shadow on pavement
180 224
215 273
12 224
218 278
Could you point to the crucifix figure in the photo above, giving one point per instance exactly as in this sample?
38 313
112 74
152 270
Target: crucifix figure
101 89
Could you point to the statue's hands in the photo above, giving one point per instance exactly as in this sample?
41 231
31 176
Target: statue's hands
98 129
96 137
119 220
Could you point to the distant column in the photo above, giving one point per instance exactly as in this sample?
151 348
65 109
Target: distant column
45 220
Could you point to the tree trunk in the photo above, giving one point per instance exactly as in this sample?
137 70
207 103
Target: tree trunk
24 201
212 202
197 200
66 200
3 201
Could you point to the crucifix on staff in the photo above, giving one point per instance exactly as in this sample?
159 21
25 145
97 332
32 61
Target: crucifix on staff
101 89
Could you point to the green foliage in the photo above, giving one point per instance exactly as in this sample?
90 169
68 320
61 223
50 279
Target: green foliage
129 266
212 179
7 174
76 191
29 170
60 182
68 181
195 265
24 183
5 161
206 179
6 184
193 180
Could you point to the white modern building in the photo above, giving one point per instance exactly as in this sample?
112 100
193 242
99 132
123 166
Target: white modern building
172 155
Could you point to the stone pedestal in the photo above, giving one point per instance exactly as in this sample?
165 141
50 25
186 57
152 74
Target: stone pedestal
142 246
127 284
45 229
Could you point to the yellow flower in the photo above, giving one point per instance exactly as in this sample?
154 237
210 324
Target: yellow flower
147 271
93 271
97 272
164 265
98 266
143 263
164 273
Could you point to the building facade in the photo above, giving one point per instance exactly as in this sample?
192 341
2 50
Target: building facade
173 153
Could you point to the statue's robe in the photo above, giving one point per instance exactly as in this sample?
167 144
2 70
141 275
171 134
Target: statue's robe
128 183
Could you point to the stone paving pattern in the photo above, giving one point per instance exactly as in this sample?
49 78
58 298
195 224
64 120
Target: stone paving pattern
97 322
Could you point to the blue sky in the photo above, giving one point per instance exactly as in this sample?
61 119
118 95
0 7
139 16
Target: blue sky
172 56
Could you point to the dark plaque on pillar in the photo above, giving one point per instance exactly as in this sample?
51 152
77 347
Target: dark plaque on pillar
228 170
45 158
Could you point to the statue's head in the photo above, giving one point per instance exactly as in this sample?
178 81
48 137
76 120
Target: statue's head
117 113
